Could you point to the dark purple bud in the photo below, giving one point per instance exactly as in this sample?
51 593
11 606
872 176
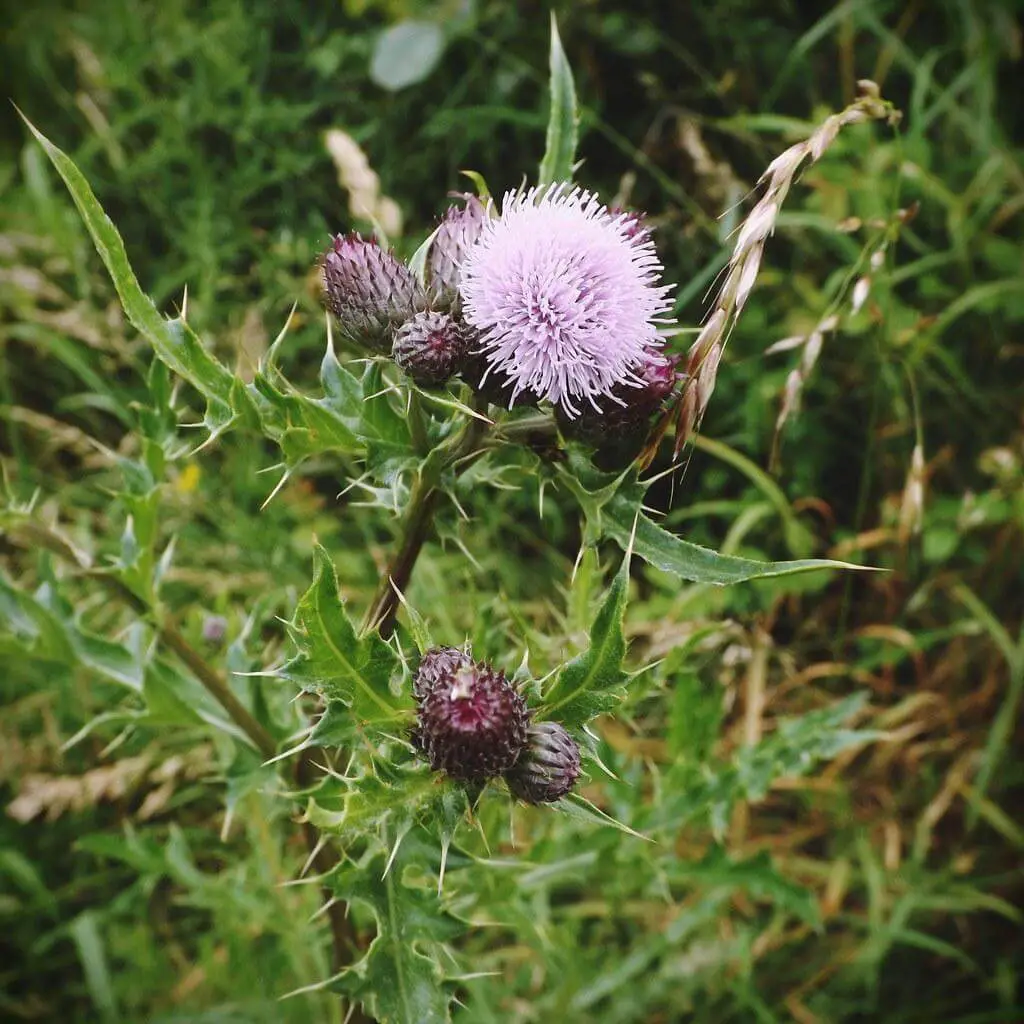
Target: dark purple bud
549 766
457 234
369 291
472 723
637 404
616 431
431 347
436 665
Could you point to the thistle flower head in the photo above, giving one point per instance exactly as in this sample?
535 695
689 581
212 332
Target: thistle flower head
564 294
471 723
430 347
368 290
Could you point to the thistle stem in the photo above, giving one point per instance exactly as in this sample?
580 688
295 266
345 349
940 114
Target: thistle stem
417 424
218 688
419 517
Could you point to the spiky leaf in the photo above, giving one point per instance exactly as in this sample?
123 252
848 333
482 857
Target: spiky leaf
335 661
689 561
592 682
399 980
180 350
711 790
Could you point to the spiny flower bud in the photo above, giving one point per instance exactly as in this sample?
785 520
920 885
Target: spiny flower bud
436 665
430 347
369 291
549 766
456 235
657 375
472 723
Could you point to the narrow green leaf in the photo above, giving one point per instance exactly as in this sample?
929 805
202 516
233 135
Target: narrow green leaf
418 261
179 349
563 121
381 425
579 807
479 183
592 682
710 790
26 877
85 934
334 660
41 629
692 562
756 875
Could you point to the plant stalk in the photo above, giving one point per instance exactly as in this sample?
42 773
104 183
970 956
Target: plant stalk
419 517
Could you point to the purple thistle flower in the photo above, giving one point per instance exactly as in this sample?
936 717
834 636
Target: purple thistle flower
471 722
565 295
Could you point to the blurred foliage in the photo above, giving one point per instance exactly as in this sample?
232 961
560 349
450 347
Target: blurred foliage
826 763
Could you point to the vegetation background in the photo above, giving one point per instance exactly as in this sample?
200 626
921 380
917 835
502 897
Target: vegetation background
141 880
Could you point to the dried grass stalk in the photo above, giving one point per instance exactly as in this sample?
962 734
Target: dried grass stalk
745 262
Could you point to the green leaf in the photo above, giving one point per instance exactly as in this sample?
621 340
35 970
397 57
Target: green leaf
176 345
563 120
336 662
591 683
88 942
798 744
382 795
579 807
301 425
755 875
380 424
39 625
399 980
689 561
406 53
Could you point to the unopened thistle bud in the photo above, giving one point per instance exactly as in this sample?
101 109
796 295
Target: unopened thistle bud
549 766
437 665
456 235
626 420
431 347
370 292
472 723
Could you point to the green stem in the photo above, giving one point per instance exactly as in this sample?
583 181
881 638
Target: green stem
419 517
418 424
395 579
218 688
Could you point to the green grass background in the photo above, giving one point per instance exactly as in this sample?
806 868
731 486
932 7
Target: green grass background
127 896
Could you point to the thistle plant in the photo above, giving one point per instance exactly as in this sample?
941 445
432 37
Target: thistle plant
542 313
